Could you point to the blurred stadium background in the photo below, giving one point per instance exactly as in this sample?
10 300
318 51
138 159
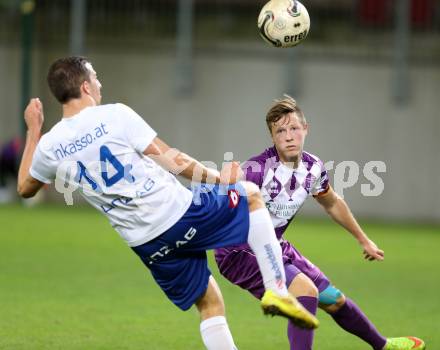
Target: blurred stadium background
367 77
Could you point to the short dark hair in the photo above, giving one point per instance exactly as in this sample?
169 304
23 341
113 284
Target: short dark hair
65 77
280 108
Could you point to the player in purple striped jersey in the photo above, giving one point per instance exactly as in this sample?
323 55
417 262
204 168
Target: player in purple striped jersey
287 176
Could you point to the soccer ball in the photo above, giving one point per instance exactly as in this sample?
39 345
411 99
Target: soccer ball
284 23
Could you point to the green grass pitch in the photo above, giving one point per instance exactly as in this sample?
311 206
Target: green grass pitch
67 281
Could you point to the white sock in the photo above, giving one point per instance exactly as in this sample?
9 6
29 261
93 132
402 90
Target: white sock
216 334
267 250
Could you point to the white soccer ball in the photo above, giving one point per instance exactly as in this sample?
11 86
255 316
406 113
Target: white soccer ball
284 23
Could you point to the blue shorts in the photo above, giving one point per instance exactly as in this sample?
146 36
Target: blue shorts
177 258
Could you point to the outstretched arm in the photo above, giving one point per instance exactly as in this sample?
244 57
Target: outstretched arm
182 164
27 186
339 211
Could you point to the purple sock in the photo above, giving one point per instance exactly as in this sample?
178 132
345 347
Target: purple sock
302 339
354 321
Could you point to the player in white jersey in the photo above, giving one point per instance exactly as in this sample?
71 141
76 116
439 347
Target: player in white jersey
287 176
123 170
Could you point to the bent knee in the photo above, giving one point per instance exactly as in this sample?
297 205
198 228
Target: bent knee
250 188
302 286
254 198
331 309
331 299
311 290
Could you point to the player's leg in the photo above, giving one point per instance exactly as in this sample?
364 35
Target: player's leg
331 300
307 294
351 318
186 280
213 327
263 242
239 265
299 274
267 250
344 311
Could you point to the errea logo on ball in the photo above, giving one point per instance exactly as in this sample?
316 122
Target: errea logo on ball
283 23
295 38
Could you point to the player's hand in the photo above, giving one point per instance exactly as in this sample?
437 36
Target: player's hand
231 173
33 115
371 251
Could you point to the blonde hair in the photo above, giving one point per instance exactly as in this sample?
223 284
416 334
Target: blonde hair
280 108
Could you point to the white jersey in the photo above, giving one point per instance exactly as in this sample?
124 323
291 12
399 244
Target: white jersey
100 150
